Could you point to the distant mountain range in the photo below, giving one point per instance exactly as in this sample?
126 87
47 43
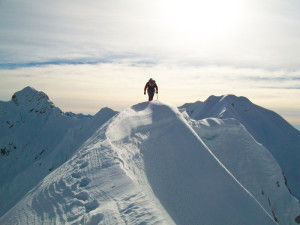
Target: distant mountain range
222 161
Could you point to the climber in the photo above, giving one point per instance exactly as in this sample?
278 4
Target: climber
152 87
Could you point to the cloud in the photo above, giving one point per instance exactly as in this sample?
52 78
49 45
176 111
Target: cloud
43 33
280 87
275 78
38 64
277 87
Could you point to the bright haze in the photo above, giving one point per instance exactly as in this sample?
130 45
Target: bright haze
90 54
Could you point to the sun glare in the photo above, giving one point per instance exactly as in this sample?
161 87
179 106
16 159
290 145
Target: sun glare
210 17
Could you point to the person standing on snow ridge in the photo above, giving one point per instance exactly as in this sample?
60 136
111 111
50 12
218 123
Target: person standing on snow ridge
151 86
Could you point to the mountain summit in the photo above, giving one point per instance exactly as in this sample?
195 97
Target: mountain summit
29 97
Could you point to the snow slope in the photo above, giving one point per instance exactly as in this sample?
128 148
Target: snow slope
267 127
251 163
149 164
35 139
144 166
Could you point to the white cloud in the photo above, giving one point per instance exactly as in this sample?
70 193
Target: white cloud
259 35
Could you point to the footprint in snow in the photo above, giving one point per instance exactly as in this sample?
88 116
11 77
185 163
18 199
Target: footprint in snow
90 206
84 165
84 182
84 196
76 175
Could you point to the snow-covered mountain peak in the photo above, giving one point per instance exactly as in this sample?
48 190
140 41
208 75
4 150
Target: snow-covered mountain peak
33 100
27 95
35 138
230 98
226 101
266 126
103 111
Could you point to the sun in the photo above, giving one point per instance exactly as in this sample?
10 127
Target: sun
209 17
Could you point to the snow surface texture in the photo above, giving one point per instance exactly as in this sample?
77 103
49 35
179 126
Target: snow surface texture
267 127
150 164
35 139
251 163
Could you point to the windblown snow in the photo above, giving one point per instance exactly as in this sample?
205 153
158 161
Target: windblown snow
267 127
149 164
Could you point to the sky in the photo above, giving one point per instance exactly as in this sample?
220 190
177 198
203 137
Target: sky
89 54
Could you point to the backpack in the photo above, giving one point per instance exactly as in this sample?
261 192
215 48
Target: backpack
151 84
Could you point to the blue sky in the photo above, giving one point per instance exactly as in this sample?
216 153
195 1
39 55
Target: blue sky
90 54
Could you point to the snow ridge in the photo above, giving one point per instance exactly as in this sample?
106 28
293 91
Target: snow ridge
267 128
35 139
252 165
149 164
